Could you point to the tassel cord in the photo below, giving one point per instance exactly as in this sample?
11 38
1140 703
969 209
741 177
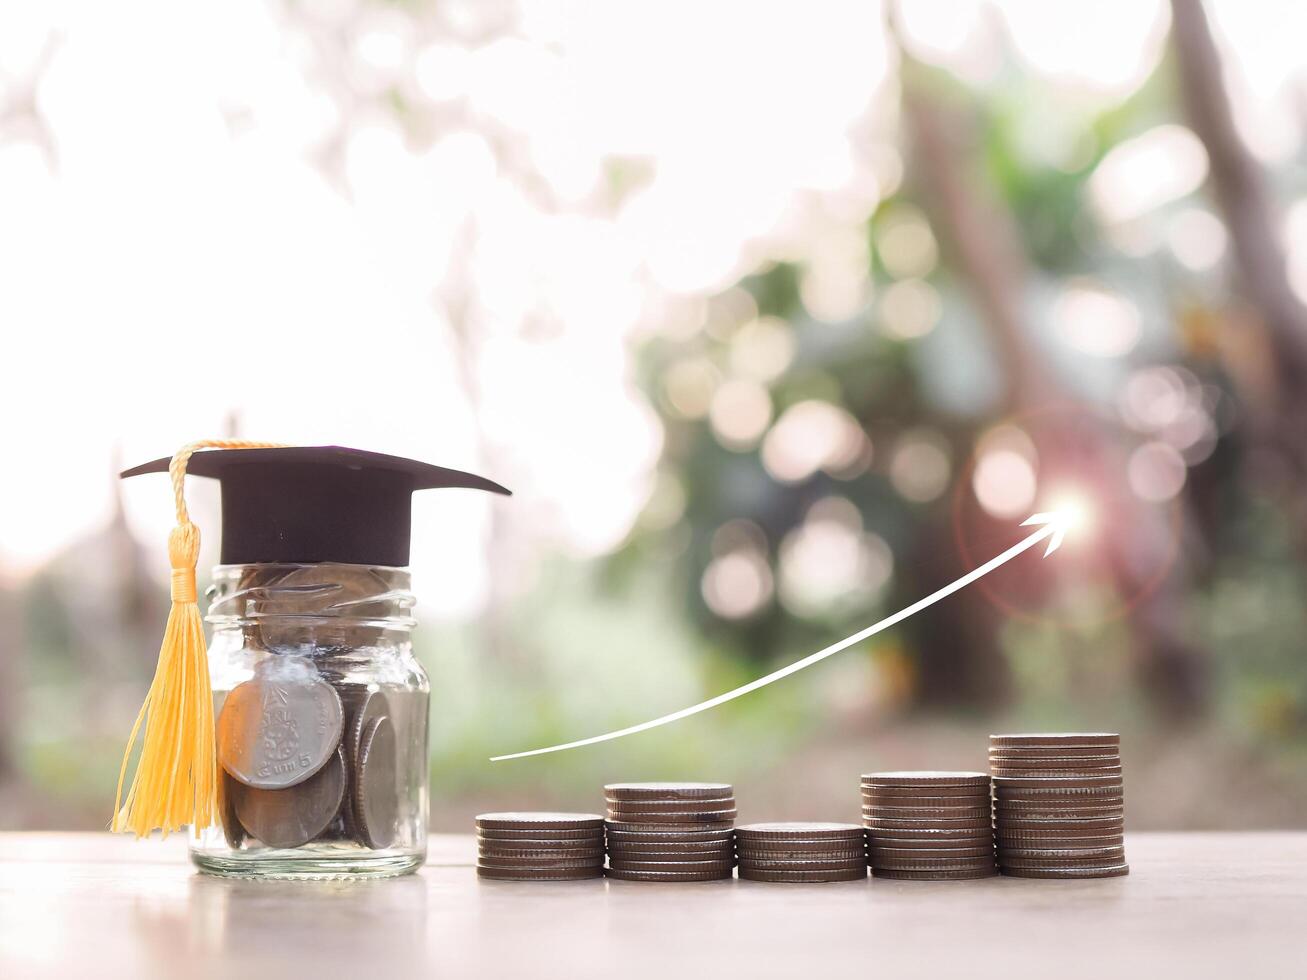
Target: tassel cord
176 775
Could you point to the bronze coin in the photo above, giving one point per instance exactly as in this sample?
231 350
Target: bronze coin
925 778
533 821
540 864
798 830
1056 739
1052 751
1060 783
1055 834
542 836
1071 803
673 806
927 813
231 824
678 867
550 853
833 874
814 865
1097 823
802 845
295 815
928 834
281 726
983 863
915 792
661 816
1101 773
1073 763
376 786
879 854
670 876
655 827
1072 796
875 798
1106 871
670 847
621 858
541 874
844 857
671 835
1015 854
933 875
668 791
1050 863
882 824
1050 813
1010 846
983 841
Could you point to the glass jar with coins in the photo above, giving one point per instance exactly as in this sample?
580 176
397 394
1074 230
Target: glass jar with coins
321 712
319 715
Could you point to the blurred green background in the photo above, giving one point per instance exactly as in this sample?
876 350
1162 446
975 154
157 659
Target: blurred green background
776 317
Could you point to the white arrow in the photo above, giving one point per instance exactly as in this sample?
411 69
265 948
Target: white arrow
1054 528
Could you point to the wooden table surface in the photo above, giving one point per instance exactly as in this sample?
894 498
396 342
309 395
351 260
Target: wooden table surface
1194 905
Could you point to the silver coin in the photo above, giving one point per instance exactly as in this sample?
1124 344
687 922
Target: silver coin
363 708
376 788
298 609
701 826
280 727
798 830
534 820
294 815
667 791
671 817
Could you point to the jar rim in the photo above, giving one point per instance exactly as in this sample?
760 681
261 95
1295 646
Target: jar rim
326 593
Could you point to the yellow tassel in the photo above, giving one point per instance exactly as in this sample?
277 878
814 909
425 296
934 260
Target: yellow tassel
175 783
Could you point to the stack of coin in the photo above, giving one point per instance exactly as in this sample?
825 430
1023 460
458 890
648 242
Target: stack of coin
1059 808
670 831
540 846
802 852
928 825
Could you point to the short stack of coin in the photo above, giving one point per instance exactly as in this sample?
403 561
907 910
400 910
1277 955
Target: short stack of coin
540 846
670 831
928 825
801 852
1059 806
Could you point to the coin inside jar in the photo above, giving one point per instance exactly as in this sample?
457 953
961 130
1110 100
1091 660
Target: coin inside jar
231 824
294 815
376 789
280 727
303 601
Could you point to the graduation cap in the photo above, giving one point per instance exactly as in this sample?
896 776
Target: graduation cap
308 504
291 504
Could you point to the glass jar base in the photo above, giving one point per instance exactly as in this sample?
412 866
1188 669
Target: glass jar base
353 867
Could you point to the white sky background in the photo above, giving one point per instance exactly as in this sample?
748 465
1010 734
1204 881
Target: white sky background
187 257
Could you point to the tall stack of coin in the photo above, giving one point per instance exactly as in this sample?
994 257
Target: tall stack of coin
540 846
928 825
670 831
801 851
1059 805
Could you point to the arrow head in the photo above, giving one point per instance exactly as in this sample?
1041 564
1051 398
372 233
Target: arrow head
1057 523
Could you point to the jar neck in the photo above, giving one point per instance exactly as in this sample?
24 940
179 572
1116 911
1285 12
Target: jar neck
327 595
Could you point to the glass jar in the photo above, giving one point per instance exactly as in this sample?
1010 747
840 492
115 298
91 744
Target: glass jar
321 720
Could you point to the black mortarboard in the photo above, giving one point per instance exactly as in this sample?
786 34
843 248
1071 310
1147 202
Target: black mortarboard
317 503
